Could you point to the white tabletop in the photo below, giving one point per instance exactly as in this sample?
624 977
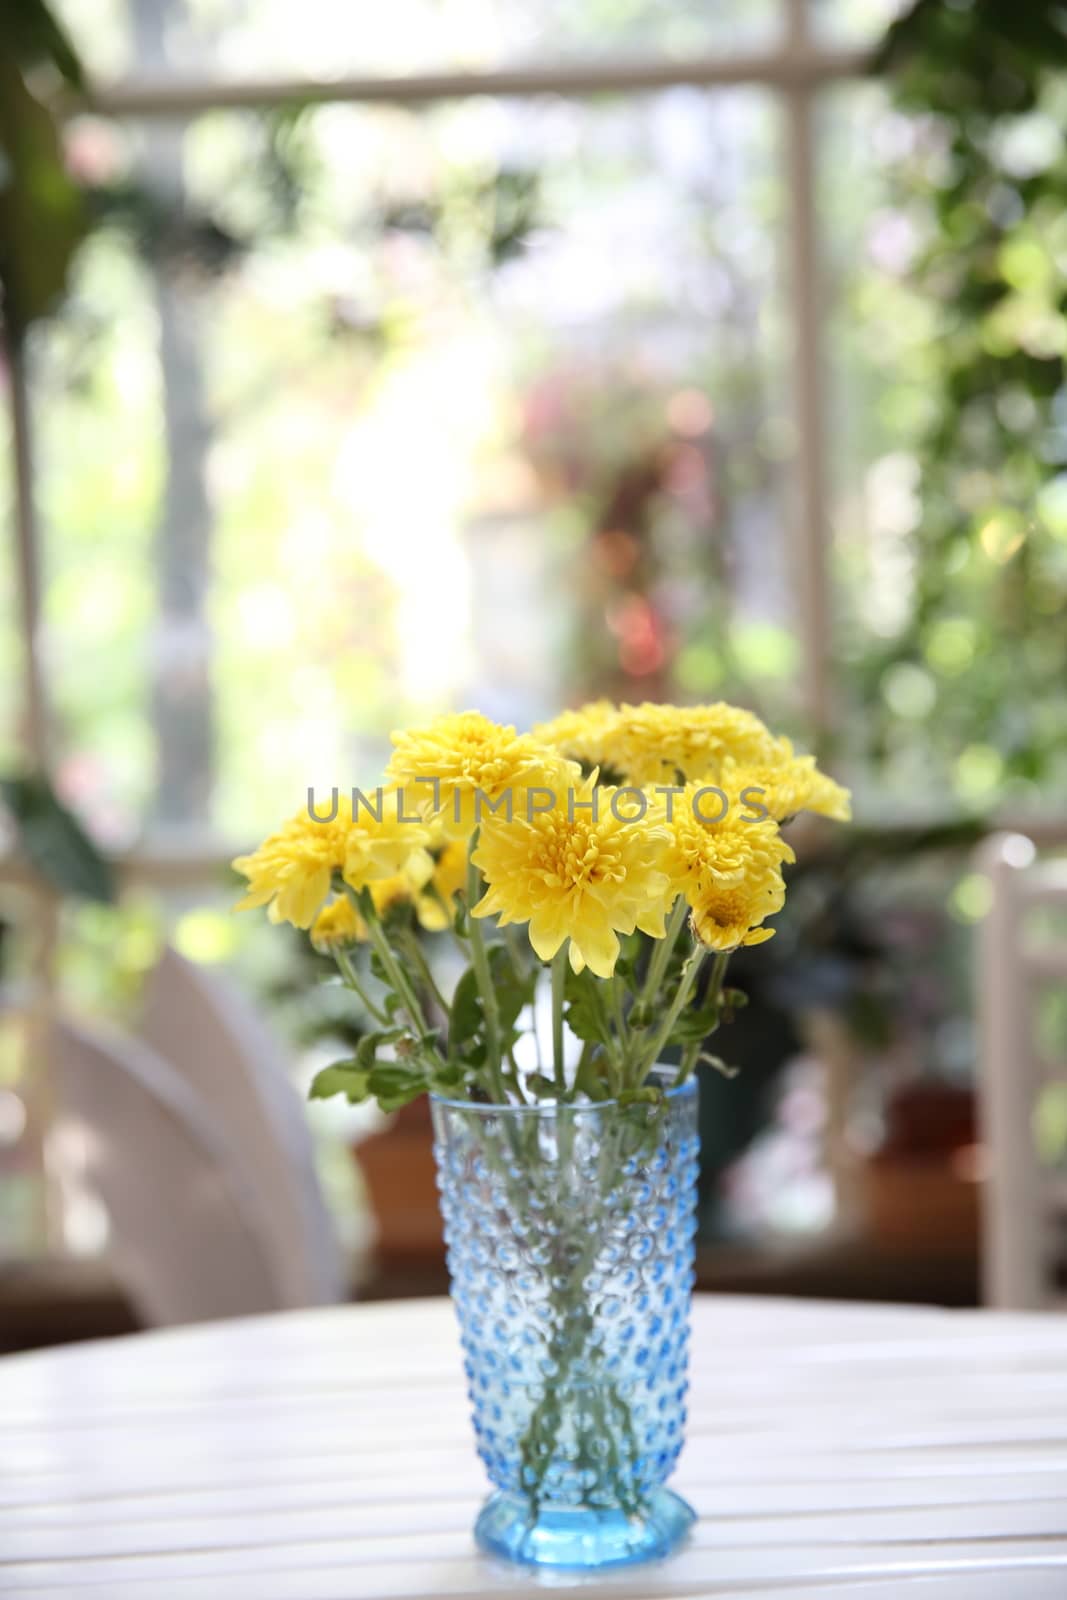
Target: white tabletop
838 1451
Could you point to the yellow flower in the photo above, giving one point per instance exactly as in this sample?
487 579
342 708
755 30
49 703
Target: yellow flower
659 744
449 879
583 735
337 925
382 842
413 885
729 871
292 871
576 876
790 783
444 766
340 923
651 744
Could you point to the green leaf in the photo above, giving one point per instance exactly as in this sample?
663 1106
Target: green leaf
54 841
695 1025
590 1080
467 1019
394 1086
584 1007
343 1077
542 1086
513 992
630 950
448 1079
640 1015
30 34
43 216
367 1049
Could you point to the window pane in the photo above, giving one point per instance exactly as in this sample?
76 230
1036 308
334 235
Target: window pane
878 341
853 22
482 404
251 38
99 469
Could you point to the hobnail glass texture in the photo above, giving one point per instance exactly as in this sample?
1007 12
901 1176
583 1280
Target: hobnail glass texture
570 1246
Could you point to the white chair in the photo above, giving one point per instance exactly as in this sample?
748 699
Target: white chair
183 1232
222 1050
1022 1199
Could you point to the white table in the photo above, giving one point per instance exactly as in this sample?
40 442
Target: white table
838 1451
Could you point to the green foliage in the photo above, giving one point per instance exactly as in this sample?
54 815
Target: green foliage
54 842
30 36
464 1046
486 217
342 1077
395 1086
982 654
468 1017
694 1025
585 1010
42 211
393 1083
514 988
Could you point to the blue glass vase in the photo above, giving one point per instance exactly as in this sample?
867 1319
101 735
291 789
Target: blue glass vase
570 1247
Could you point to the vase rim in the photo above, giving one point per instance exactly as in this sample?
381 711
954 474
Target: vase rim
553 1107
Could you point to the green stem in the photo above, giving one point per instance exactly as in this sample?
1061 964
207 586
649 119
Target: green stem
393 970
685 988
484 978
688 1061
662 949
692 1052
559 978
521 971
351 981
588 1052
450 925
511 945
419 961
619 1019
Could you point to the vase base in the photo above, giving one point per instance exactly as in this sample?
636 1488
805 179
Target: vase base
582 1537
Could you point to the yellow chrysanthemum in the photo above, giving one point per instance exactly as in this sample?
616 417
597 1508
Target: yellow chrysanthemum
790 783
652 744
729 871
384 842
574 876
583 735
291 872
293 869
449 878
389 892
337 925
444 766
340 923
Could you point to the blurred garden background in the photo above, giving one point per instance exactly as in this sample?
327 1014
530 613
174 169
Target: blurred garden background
506 353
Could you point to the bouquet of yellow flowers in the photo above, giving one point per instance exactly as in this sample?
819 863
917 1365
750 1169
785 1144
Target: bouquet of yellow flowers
606 833
637 846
